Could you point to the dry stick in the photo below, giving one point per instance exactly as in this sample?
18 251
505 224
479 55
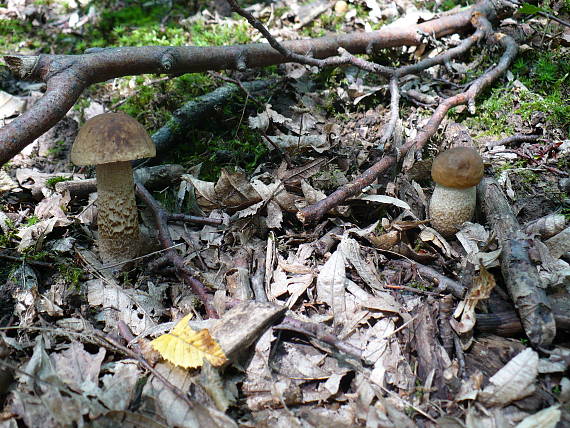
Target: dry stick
194 219
320 333
394 110
160 218
346 57
521 277
514 139
315 212
444 283
66 76
255 23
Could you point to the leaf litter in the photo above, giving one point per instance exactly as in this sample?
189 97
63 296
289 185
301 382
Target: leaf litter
367 348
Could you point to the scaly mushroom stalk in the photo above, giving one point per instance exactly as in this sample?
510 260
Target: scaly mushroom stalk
450 208
117 218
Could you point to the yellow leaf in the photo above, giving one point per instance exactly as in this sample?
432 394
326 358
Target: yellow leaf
187 348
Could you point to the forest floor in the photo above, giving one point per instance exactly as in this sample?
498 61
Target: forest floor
367 318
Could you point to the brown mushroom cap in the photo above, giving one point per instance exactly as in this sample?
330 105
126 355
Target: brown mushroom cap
111 137
459 167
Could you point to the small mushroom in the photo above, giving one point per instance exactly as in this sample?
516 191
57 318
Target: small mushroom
456 172
111 141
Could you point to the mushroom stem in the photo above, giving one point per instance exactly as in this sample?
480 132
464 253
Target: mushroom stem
117 212
449 208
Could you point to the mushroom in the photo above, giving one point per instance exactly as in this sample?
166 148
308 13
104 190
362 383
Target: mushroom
457 172
111 141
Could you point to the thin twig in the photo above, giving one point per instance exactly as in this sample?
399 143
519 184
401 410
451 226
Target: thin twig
160 217
37 263
194 219
519 138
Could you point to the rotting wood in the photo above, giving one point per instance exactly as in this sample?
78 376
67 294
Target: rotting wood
520 275
429 351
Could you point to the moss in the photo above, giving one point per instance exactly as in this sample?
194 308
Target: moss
493 114
222 149
71 274
51 182
137 25
15 35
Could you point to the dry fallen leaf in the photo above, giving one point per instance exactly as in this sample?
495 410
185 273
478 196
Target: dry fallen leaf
513 382
187 348
481 290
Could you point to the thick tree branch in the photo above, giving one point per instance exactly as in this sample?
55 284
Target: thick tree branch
68 75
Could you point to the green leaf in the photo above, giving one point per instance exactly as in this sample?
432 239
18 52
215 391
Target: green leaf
530 9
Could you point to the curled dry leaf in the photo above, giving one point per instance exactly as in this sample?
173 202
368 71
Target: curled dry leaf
547 226
331 283
265 118
136 308
11 105
6 182
292 143
481 290
559 244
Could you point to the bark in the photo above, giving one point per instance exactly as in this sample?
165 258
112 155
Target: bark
520 275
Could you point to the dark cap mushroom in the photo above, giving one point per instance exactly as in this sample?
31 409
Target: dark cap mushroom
456 172
111 141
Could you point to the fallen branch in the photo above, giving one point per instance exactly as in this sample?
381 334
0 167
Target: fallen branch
444 284
520 275
315 212
66 76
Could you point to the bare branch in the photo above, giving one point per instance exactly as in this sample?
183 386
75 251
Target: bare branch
315 212
68 75
160 218
394 110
